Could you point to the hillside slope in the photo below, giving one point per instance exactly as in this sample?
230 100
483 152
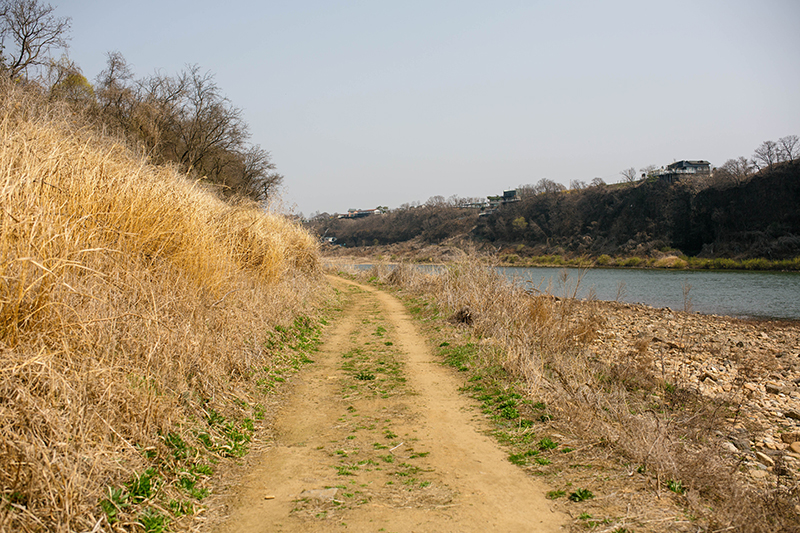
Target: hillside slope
137 311
756 218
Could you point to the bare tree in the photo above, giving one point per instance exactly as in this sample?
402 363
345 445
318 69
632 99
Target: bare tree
648 170
33 31
436 201
766 155
158 100
789 148
65 81
546 185
259 176
115 93
734 171
629 175
117 73
526 191
577 185
207 121
597 182
187 120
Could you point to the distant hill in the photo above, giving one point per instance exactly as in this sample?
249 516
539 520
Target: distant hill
759 217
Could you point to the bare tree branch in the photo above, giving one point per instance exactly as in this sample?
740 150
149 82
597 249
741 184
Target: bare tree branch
766 155
629 175
33 30
789 148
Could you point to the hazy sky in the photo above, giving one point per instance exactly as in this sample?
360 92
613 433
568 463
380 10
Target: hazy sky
381 103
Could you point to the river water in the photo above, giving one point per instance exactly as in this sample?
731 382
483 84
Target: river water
731 293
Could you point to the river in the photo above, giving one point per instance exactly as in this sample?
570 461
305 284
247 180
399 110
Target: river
733 293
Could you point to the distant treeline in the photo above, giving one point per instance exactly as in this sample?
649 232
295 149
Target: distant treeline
183 119
753 217
433 222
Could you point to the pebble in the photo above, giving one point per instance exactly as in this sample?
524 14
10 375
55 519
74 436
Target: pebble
765 459
724 359
730 447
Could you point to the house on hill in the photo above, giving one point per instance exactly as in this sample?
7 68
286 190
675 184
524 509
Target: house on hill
361 213
684 168
690 167
494 202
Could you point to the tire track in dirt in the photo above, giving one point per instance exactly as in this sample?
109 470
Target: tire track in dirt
378 437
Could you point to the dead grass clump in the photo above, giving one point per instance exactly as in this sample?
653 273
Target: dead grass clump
670 261
635 369
133 305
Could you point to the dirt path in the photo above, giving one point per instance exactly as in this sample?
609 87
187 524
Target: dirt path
376 437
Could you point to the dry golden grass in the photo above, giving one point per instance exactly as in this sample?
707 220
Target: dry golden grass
131 302
659 427
670 261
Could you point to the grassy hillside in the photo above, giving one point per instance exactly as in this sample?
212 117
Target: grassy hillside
137 314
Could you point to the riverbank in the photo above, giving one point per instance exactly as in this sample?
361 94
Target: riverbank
676 418
456 250
664 261
753 365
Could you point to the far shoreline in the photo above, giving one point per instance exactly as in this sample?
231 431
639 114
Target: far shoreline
666 263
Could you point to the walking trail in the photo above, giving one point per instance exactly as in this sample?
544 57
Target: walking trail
376 437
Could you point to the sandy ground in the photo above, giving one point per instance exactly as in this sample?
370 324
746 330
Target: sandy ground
376 437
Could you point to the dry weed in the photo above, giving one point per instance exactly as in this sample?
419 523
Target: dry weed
665 430
131 302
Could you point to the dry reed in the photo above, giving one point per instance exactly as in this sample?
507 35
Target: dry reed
131 302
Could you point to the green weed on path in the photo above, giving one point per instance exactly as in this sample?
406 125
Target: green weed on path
376 455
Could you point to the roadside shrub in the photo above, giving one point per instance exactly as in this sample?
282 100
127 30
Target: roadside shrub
605 260
756 264
632 262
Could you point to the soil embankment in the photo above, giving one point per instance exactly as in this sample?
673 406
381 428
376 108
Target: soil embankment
376 437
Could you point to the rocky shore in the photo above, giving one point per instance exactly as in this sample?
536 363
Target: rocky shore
752 367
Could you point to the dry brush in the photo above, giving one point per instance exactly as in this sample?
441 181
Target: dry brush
133 303
662 427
